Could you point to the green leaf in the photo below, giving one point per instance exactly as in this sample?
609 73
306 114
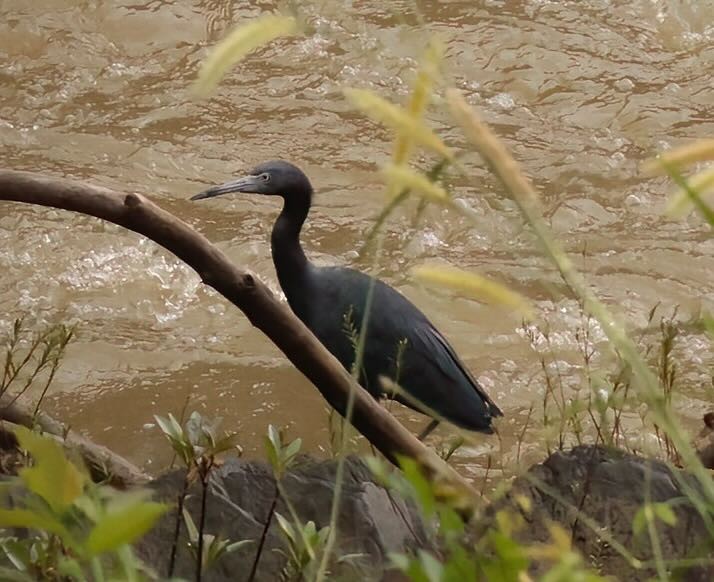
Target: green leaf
227 443
10 575
18 552
347 558
130 564
235 546
450 522
116 529
292 449
177 437
461 566
639 522
241 41
195 431
510 558
52 476
322 535
422 487
415 572
71 568
274 437
665 513
309 530
399 561
31 519
90 506
190 526
167 427
431 566
273 457
287 528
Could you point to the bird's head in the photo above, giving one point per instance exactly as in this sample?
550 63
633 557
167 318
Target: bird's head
275 178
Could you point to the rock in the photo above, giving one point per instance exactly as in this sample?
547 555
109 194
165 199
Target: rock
704 441
372 522
608 486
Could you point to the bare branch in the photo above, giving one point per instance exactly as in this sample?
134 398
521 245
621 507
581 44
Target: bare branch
104 465
244 290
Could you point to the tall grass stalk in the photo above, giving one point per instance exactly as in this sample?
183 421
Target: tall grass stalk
346 432
409 133
652 527
692 194
523 194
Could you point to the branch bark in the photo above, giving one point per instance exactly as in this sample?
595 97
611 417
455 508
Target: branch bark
104 465
250 295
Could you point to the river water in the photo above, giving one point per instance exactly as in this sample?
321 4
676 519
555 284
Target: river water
582 92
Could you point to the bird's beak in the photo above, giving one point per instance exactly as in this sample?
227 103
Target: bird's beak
246 184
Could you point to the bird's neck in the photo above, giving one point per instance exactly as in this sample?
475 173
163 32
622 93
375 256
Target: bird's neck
291 265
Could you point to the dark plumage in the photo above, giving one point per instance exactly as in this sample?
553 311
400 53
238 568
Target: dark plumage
401 342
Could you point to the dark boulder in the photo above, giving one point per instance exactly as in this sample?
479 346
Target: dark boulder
609 486
372 522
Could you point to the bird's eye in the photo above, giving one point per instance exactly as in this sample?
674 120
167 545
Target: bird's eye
265 177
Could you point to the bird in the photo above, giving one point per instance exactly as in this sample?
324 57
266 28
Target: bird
401 344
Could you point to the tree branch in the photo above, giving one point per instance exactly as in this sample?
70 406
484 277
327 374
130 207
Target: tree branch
104 465
244 290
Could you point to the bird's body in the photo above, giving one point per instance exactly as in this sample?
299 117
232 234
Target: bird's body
401 343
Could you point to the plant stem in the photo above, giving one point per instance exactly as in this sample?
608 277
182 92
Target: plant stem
177 527
264 534
205 472
339 473
650 519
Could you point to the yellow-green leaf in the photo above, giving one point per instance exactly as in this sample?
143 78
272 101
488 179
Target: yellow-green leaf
30 519
401 177
703 183
466 117
115 529
561 539
665 513
238 44
426 78
52 476
492 150
473 285
421 93
396 118
639 522
698 151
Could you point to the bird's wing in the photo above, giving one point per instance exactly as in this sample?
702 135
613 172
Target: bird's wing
394 318
433 343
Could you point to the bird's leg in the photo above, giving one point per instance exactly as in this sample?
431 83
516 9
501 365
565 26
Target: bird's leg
428 429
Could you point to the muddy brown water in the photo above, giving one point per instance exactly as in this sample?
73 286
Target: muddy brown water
581 91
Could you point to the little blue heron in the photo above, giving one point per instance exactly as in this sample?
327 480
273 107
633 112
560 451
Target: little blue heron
401 343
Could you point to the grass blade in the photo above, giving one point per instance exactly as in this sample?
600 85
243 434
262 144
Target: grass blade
474 286
397 118
238 44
